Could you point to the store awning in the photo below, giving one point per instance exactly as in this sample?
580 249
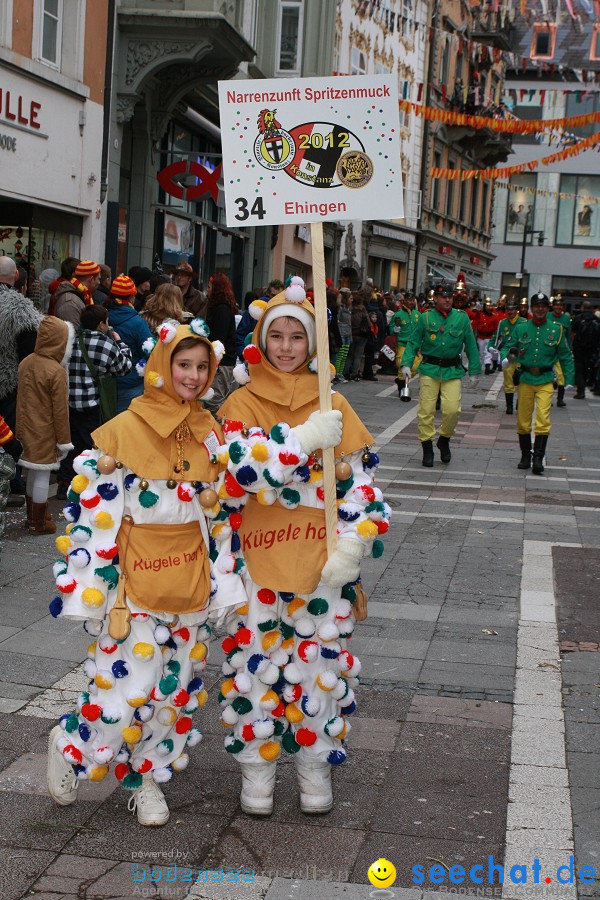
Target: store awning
437 273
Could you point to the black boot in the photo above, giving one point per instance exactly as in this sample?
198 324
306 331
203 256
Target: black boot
488 369
561 396
525 445
400 383
443 445
427 454
539 448
509 404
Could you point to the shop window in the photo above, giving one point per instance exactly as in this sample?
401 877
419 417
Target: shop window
543 40
521 207
290 37
51 31
380 69
358 62
577 221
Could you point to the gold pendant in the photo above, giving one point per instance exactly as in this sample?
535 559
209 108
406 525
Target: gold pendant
119 618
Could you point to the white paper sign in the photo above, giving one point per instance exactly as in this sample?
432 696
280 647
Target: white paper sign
299 150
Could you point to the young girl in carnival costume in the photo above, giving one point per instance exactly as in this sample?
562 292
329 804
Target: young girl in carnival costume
136 568
289 678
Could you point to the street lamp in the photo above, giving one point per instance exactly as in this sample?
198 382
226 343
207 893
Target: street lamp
540 240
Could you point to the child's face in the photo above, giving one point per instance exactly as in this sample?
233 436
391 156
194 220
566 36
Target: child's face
189 371
373 317
287 344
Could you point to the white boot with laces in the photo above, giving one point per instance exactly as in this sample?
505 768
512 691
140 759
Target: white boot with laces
258 783
149 803
62 780
314 780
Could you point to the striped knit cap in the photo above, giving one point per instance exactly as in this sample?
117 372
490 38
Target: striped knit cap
86 267
123 286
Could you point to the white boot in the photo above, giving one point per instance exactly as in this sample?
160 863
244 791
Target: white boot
62 780
258 782
314 779
149 803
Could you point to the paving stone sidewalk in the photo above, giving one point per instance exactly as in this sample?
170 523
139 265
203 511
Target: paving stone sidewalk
428 777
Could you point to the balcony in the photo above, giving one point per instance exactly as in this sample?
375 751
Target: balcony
485 147
494 29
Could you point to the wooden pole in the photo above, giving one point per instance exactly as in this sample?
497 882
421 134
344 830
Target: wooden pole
318 270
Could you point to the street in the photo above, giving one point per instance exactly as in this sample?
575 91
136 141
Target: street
478 721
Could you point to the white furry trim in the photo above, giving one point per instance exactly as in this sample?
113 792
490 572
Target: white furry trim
69 348
42 467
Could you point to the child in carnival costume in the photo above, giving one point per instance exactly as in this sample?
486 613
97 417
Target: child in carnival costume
289 678
136 568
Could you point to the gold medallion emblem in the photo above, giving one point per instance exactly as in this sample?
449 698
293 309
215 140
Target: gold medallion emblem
354 169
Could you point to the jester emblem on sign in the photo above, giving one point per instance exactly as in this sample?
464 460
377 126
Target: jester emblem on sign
274 148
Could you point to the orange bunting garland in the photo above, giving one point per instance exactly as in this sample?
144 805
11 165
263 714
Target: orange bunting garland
510 126
468 174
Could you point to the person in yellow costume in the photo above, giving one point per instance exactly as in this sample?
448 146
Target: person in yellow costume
135 567
290 679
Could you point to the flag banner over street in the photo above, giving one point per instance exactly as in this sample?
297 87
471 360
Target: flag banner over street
310 150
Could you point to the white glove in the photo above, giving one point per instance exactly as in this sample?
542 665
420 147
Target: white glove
343 566
321 430
473 381
63 450
506 363
569 387
492 349
406 372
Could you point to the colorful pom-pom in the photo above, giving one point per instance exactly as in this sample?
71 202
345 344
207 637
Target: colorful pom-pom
251 354
198 326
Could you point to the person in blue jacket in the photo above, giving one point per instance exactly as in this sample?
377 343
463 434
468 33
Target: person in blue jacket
133 331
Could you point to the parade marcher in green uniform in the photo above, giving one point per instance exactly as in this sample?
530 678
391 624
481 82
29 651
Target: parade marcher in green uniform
500 339
537 343
564 319
402 325
440 335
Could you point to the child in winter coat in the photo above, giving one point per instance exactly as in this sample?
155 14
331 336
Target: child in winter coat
43 416
289 678
143 497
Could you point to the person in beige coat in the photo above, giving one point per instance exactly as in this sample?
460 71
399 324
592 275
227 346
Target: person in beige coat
43 416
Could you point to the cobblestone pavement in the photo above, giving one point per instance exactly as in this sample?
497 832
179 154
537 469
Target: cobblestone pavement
477 730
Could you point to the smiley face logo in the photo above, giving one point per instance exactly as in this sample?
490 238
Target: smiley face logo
382 873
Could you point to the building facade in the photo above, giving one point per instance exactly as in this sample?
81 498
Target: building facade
53 150
547 224
390 37
465 74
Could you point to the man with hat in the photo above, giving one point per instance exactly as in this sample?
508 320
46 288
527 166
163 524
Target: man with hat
564 319
402 325
537 344
500 339
72 297
487 326
524 308
440 335
133 331
193 300
140 275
